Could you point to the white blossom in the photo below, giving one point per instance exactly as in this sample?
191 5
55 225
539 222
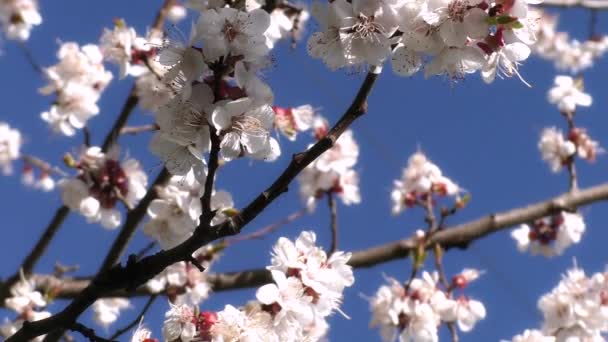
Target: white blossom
567 94
106 311
550 236
18 18
555 149
78 81
10 147
102 181
420 178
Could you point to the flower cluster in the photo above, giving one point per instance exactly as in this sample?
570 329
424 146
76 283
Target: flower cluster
419 180
414 312
26 302
333 171
290 121
567 54
175 213
550 236
106 311
123 47
101 182
18 17
559 151
307 288
10 147
78 81
460 36
567 93
286 21
575 310
183 282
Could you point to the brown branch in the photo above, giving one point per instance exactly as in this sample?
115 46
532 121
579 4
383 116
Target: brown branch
206 214
456 236
136 273
333 223
137 319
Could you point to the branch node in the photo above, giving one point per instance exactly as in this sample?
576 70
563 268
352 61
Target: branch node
196 263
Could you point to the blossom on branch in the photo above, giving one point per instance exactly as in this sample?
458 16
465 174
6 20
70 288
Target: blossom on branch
550 236
78 81
419 180
333 171
10 147
18 18
101 182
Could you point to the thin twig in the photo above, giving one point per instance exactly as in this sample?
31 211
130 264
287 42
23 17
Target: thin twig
145 250
138 129
88 333
137 319
86 134
258 234
333 223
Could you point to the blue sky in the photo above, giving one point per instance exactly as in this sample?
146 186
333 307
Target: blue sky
482 136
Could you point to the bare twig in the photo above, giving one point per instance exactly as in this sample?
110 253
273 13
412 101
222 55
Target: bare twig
266 230
86 136
137 319
138 129
145 250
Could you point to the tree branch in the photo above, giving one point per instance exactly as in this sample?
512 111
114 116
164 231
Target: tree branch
88 333
457 236
333 223
136 273
133 218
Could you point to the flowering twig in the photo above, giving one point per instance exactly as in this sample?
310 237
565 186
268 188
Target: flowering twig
137 319
62 212
266 230
135 273
333 223
43 166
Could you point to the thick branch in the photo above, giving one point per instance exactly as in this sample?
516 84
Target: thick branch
456 236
